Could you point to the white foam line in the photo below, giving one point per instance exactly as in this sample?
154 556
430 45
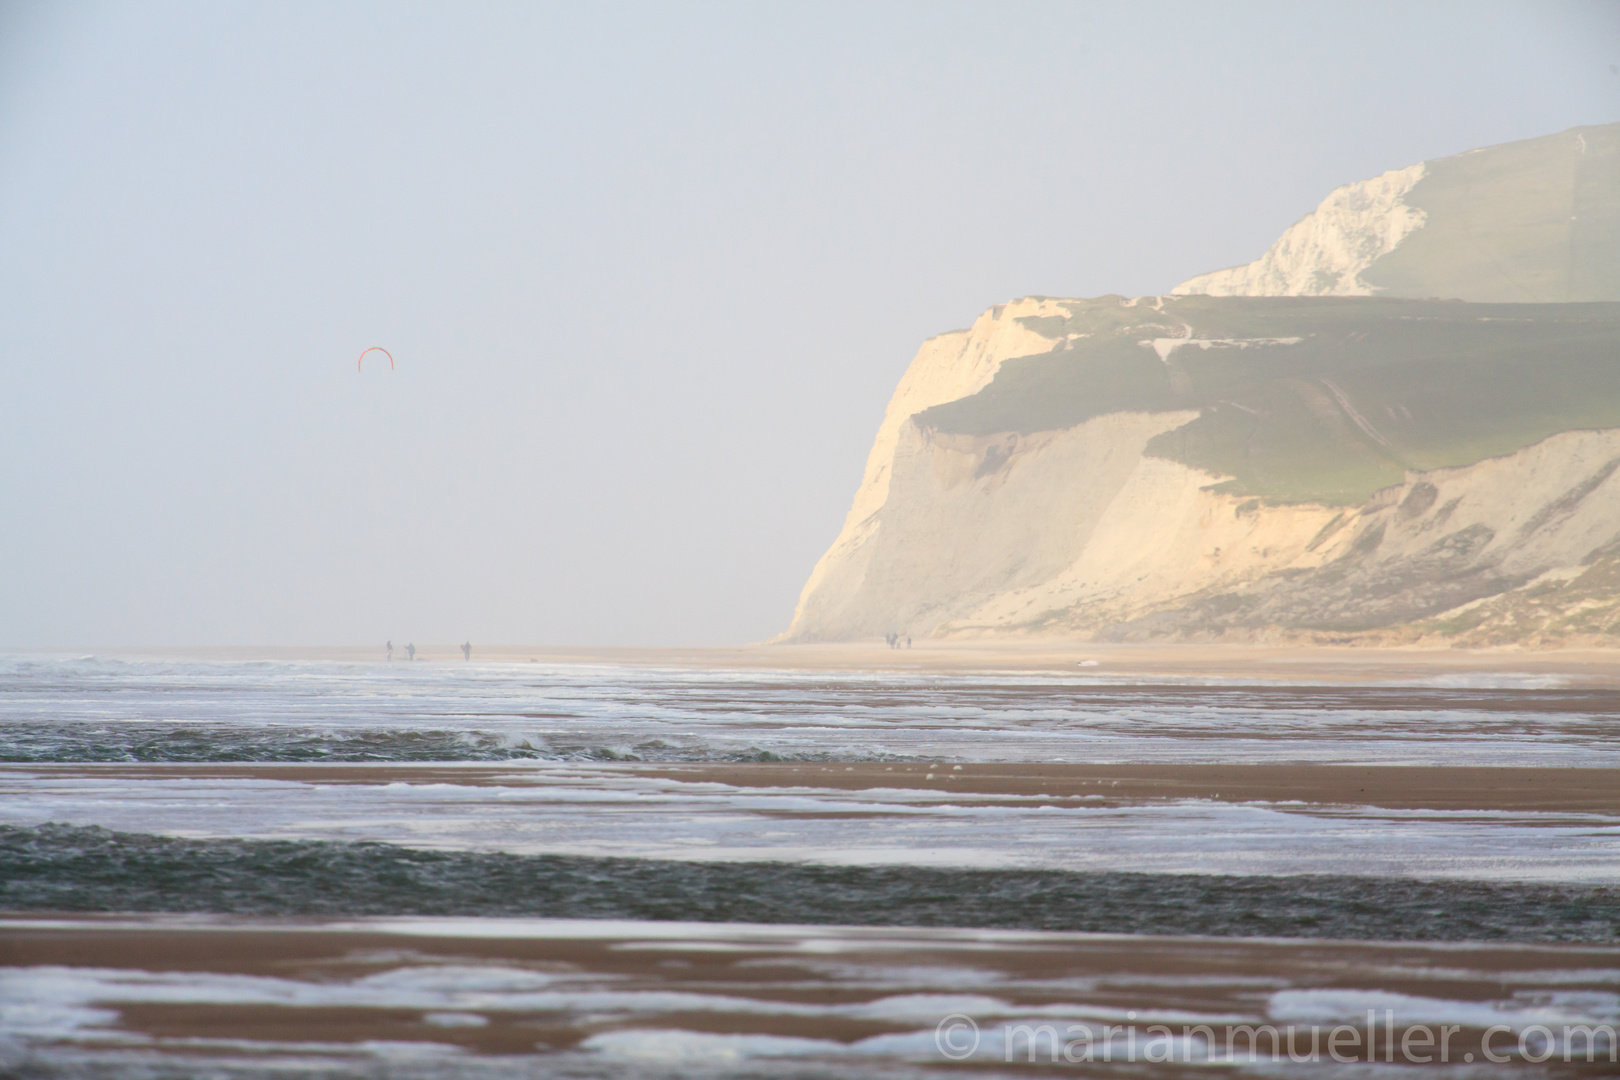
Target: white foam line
654 817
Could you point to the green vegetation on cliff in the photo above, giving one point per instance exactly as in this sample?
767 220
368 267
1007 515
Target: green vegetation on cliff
1313 399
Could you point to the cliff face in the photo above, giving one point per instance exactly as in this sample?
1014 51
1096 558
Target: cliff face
1197 468
950 366
1519 549
1284 450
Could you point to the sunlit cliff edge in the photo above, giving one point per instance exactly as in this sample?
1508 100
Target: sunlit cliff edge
1398 425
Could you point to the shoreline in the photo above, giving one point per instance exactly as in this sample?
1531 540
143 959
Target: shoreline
1234 661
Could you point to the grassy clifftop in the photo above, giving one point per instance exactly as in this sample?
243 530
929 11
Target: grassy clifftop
1313 399
1537 220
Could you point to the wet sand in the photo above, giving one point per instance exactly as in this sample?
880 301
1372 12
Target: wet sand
1393 787
1390 787
572 989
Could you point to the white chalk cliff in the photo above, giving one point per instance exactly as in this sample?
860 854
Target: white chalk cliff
1325 253
1282 451
950 366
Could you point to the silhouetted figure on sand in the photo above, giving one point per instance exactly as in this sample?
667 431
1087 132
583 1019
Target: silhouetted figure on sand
410 650
390 650
466 650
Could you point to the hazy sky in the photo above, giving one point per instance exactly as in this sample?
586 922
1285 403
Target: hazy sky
650 273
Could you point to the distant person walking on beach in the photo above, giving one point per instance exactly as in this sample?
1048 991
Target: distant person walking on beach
390 650
466 650
410 650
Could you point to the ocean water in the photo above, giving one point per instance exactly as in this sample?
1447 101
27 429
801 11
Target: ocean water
94 709
595 810
530 759
63 868
481 797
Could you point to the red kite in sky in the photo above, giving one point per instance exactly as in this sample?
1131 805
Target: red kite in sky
361 365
